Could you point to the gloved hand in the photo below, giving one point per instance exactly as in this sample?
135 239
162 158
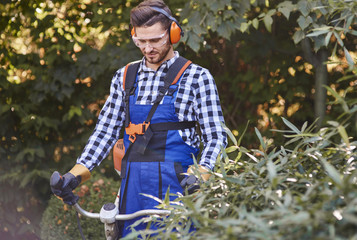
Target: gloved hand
191 183
62 186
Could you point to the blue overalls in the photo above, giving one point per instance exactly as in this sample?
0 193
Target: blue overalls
166 156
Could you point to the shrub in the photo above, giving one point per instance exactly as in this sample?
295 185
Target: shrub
59 219
306 189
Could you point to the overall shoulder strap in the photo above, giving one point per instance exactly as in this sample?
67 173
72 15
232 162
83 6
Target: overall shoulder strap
172 76
129 78
130 72
177 69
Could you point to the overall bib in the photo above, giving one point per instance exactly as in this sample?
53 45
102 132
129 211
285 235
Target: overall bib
160 166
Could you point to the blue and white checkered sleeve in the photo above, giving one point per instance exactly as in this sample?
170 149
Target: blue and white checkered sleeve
110 121
209 113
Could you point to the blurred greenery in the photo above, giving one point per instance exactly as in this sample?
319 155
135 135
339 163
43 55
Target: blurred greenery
270 59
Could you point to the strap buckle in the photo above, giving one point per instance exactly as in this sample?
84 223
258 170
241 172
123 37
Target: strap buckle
134 129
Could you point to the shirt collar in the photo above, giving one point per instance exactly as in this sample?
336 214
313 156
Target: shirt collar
164 65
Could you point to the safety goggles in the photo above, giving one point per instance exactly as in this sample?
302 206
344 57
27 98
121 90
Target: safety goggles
153 42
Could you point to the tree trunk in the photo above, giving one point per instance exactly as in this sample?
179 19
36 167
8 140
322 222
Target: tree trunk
320 81
318 60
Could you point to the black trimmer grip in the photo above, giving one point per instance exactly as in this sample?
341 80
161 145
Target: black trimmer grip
56 180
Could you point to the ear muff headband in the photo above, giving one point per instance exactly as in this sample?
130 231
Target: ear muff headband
175 30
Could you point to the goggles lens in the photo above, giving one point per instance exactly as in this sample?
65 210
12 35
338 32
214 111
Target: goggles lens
154 42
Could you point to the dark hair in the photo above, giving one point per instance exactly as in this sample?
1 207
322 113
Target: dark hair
143 15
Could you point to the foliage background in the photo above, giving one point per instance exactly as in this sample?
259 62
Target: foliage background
57 58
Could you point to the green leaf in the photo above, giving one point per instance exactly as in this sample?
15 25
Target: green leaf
224 155
298 36
334 50
333 123
348 23
304 22
319 42
327 38
211 22
224 30
198 29
339 40
348 58
199 202
285 11
217 5
167 197
262 143
255 23
353 32
268 21
304 127
193 41
159 200
291 126
239 155
243 27
332 172
74 110
304 7
241 136
343 133
317 33
230 134
286 8
234 180
231 149
252 157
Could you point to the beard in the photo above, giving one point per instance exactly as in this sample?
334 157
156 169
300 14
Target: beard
160 55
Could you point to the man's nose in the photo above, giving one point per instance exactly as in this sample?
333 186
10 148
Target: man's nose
148 47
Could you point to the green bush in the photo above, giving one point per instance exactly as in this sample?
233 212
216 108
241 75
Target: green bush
59 219
306 189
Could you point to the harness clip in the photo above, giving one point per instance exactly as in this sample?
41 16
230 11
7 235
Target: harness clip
134 129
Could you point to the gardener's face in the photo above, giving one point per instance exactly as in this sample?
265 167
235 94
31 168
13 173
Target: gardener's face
153 42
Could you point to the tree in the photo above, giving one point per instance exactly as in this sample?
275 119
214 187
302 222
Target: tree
55 56
321 24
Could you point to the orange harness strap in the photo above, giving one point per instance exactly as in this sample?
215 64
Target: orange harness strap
134 129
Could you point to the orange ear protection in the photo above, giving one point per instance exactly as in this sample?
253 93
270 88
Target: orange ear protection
175 30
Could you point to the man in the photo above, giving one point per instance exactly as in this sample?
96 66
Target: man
162 150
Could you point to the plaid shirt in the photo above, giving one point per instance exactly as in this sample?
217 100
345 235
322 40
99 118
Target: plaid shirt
197 100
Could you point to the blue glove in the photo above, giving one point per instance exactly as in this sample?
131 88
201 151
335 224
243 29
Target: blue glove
62 187
190 184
